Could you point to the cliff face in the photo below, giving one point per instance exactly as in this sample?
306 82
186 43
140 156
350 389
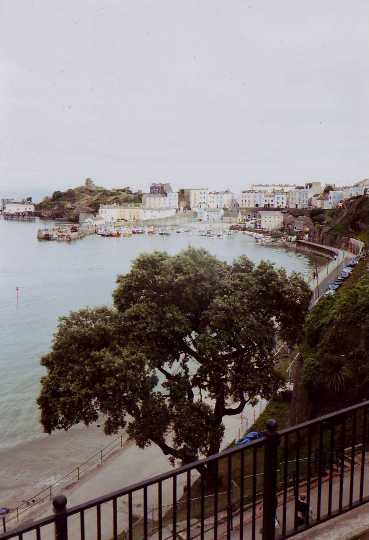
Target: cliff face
335 227
87 198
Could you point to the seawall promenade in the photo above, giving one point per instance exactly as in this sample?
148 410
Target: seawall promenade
338 258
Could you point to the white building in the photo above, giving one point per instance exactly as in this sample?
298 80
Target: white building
113 213
251 199
353 191
161 196
298 197
335 197
14 208
314 188
220 199
269 220
154 201
321 201
194 198
275 199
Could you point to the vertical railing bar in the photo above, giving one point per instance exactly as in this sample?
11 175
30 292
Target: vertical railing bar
352 469
115 519
130 516
308 479
174 506
297 479
254 479
82 523
160 509
342 467
98 517
38 533
363 448
242 490
145 511
229 496
319 498
331 455
216 501
189 504
285 482
202 506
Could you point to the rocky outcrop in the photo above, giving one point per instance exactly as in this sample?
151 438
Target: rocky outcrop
86 199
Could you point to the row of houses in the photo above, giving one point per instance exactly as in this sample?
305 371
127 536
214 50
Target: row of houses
310 195
162 202
278 220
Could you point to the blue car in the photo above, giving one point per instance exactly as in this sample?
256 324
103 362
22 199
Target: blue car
250 437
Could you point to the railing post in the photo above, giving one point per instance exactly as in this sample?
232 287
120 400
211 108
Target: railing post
270 480
61 524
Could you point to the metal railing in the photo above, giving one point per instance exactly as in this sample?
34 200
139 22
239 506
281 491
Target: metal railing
274 487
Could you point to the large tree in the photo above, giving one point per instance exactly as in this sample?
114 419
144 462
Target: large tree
189 341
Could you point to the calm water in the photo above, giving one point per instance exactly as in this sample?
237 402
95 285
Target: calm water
55 278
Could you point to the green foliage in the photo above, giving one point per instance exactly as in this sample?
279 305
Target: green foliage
336 347
57 195
190 340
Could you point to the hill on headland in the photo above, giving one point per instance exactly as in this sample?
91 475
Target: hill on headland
71 203
334 227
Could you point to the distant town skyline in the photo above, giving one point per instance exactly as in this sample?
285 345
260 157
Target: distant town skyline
200 94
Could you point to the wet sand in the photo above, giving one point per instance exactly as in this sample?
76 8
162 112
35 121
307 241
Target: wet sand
34 465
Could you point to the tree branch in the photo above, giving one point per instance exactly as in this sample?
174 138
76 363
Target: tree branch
187 349
176 453
236 410
166 373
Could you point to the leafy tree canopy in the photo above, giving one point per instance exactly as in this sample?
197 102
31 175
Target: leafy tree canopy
336 348
189 341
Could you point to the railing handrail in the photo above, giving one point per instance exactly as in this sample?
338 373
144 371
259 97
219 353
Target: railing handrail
324 418
190 466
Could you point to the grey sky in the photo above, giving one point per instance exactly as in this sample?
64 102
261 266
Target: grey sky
218 93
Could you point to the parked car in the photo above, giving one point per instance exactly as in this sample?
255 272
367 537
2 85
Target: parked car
334 286
329 292
250 437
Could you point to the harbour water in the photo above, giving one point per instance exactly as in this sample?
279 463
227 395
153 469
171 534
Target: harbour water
52 279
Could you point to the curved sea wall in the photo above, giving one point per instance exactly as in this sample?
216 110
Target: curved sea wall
325 251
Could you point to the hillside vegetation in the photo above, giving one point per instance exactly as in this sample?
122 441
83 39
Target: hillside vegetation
336 348
87 198
334 226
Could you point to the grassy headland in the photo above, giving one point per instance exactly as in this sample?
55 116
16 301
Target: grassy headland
87 198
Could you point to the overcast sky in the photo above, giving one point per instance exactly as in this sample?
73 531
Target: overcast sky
218 93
